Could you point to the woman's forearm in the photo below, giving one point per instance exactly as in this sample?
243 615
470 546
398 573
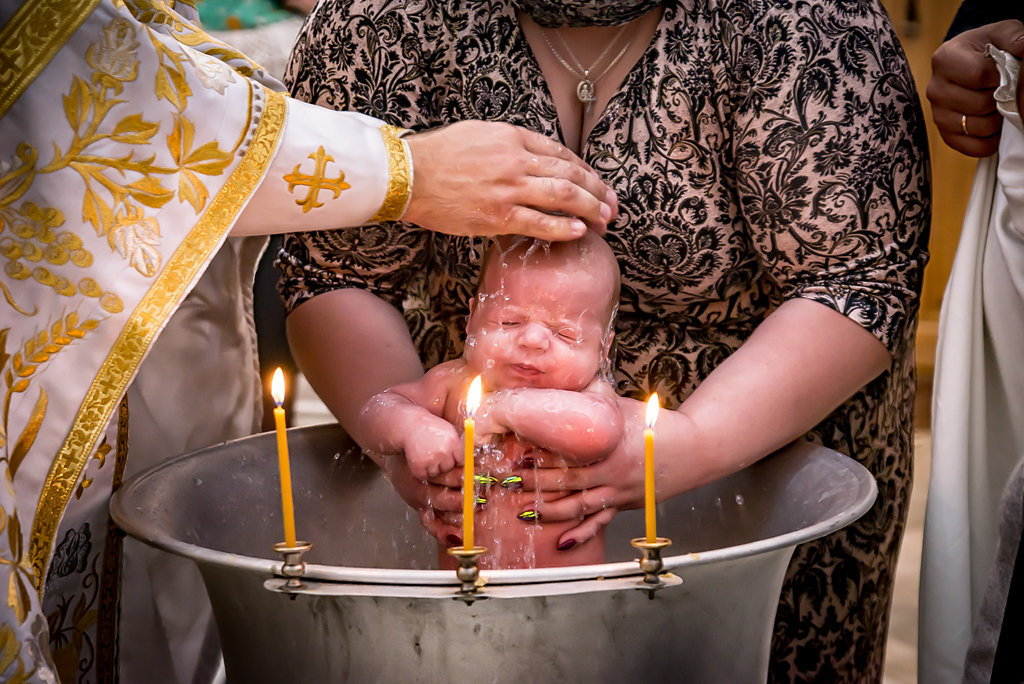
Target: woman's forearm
351 345
799 365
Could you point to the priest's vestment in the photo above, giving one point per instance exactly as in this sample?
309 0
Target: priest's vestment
131 143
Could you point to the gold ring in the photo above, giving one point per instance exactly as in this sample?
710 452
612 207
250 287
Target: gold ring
963 125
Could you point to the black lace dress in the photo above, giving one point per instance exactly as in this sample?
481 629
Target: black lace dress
760 151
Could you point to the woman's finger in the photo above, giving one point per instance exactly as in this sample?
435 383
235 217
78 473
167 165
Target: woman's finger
558 479
576 506
440 528
586 530
444 498
976 126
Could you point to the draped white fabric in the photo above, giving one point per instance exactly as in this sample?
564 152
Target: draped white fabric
978 400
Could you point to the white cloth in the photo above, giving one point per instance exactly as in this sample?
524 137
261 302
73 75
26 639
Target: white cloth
978 400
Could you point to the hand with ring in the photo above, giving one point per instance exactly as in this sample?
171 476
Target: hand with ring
961 86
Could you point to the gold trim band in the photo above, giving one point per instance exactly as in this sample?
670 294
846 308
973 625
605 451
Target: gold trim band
27 46
162 299
399 175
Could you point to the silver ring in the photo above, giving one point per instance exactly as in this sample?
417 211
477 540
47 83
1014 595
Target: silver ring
963 125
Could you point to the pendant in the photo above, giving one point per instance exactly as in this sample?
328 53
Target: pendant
585 91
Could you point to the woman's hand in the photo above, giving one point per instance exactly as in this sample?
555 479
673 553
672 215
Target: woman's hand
962 82
602 489
438 502
489 178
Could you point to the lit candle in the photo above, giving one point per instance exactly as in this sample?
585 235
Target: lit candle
468 497
652 416
277 392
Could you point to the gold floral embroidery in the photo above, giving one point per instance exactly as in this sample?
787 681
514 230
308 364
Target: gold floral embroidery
30 43
10 654
316 182
137 238
113 59
19 579
399 175
160 301
116 188
101 455
159 13
24 363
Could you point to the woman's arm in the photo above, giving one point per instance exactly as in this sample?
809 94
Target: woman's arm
580 426
351 345
799 365
376 352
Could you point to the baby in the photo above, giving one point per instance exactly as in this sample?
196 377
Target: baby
539 332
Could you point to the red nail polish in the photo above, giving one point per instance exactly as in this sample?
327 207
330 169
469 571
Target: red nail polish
566 545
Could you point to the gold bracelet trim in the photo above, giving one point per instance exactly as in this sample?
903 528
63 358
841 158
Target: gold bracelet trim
399 175
27 45
162 299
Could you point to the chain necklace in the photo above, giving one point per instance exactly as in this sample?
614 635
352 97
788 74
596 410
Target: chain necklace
585 88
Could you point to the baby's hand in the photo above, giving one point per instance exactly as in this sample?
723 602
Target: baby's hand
491 417
432 448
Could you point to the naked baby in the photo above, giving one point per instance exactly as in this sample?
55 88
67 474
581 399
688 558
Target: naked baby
539 332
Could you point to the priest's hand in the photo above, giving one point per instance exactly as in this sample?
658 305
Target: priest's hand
489 178
961 86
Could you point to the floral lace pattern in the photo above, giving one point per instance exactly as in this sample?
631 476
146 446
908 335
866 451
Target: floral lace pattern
760 151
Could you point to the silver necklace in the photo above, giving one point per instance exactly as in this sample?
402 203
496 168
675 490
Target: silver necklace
585 87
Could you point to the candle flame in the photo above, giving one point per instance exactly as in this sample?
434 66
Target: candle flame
652 410
277 387
473 396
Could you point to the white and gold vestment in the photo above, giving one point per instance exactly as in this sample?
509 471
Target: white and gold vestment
131 143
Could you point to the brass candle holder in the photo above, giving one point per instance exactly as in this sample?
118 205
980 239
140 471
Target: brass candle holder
468 572
293 567
651 563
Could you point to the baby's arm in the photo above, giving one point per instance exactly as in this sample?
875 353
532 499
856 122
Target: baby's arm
581 426
409 419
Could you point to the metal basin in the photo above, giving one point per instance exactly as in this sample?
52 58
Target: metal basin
376 609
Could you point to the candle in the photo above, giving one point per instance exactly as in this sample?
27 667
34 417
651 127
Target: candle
288 511
652 416
468 497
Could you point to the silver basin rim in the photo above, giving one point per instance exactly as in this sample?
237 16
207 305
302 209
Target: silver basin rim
864 497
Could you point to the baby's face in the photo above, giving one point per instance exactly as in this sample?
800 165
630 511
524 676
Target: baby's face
542 327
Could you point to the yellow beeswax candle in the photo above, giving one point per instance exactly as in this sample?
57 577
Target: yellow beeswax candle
468 494
649 514
287 507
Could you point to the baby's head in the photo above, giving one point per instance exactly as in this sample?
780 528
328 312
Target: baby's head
543 313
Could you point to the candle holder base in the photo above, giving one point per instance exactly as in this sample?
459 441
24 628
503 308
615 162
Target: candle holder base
468 572
293 567
651 563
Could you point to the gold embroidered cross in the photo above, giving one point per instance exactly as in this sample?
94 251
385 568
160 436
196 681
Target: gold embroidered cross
316 182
